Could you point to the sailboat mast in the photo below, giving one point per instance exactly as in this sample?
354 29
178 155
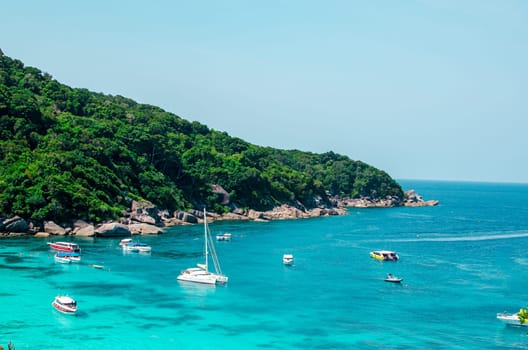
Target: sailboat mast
205 241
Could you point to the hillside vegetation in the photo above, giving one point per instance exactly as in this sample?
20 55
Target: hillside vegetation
71 153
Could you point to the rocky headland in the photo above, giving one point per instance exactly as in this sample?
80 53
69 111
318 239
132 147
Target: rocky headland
143 218
412 199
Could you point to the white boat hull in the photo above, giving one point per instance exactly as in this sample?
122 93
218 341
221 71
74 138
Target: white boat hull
224 237
393 280
511 319
65 304
137 248
67 257
125 241
287 259
62 260
206 279
199 275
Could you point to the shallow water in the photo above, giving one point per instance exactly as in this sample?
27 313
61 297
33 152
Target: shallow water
462 262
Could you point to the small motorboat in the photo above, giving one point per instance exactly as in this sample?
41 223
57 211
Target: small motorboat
62 259
287 259
65 304
67 257
393 279
511 319
384 255
223 237
137 247
125 241
64 246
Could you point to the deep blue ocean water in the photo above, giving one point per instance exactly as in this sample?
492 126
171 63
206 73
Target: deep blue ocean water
462 262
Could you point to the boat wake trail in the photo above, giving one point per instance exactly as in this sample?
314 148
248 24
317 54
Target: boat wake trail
463 238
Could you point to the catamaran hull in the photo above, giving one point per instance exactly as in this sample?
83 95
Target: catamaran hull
199 275
203 280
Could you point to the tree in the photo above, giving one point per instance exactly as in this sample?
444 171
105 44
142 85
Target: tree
68 152
523 315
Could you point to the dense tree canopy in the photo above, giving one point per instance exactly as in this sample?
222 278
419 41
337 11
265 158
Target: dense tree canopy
71 153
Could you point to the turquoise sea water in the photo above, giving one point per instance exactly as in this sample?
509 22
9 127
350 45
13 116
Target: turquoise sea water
462 262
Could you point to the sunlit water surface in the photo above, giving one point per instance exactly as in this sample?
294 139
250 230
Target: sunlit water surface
462 262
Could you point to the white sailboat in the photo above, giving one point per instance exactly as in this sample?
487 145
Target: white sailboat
201 273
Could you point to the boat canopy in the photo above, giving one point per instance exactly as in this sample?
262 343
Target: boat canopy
67 254
64 299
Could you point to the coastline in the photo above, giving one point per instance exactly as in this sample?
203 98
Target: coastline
143 218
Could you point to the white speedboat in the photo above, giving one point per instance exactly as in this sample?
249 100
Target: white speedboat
64 246
137 247
287 259
223 237
65 304
511 319
393 279
125 241
62 259
67 257
384 255
201 273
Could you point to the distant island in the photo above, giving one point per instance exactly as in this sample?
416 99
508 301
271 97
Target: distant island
78 162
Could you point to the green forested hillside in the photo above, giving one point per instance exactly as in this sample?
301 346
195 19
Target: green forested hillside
72 153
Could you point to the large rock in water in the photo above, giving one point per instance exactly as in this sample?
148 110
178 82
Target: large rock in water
144 229
15 224
186 217
83 229
145 212
113 230
415 200
54 229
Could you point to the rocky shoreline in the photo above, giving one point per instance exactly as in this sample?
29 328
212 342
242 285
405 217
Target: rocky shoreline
143 218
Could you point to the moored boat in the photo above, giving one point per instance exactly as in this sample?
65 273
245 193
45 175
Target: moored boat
287 259
384 255
137 247
393 279
67 257
62 260
511 319
201 274
223 237
125 241
65 304
64 246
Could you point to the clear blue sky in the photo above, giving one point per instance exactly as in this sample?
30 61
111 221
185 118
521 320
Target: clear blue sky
423 89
